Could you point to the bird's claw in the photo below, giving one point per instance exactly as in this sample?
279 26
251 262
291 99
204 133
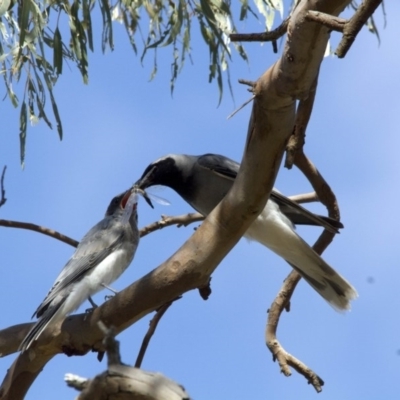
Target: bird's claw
89 311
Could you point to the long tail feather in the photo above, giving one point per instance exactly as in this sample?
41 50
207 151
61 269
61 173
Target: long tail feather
280 237
49 316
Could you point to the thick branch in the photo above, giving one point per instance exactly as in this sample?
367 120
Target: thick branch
122 381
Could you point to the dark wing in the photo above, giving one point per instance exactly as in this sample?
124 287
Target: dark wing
301 216
229 169
223 166
92 250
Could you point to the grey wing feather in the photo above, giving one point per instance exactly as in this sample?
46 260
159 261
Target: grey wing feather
229 169
92 250
220 165
301 216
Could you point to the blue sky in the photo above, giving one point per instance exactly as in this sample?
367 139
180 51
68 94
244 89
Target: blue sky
121 122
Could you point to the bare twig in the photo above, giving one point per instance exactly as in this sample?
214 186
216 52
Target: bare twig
152 328
303 114
180 220
252 84
40 229
335 23
3 192
263 36
242 106
304 198
76 382
282 300
275 46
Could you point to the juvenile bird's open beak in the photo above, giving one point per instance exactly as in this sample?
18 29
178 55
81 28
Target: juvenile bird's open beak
125 198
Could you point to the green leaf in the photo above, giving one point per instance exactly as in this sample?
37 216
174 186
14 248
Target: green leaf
130 27
88 21
13 97
210 17
107 35
53 101
57 52
176 28
22 132
23 24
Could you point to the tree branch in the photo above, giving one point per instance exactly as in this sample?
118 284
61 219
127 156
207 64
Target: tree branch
263 36
335 23
350 28
354 25
152 328
122 381
282 300
297 139
180 220
40 229
304 198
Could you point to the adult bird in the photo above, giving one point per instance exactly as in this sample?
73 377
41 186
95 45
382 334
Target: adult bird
100 258
204 180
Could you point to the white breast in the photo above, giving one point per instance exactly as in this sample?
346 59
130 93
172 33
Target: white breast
106 272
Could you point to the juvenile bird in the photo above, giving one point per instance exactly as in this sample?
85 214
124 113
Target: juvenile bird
101 257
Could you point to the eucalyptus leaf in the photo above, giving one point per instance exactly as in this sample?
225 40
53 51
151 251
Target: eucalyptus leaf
23 116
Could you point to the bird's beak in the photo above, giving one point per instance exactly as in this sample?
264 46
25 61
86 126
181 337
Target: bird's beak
137 189
125 198
142 184
146 180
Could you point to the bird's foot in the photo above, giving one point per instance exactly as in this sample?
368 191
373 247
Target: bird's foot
90 309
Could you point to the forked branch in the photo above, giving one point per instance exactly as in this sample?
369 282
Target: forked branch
282 300
350 28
